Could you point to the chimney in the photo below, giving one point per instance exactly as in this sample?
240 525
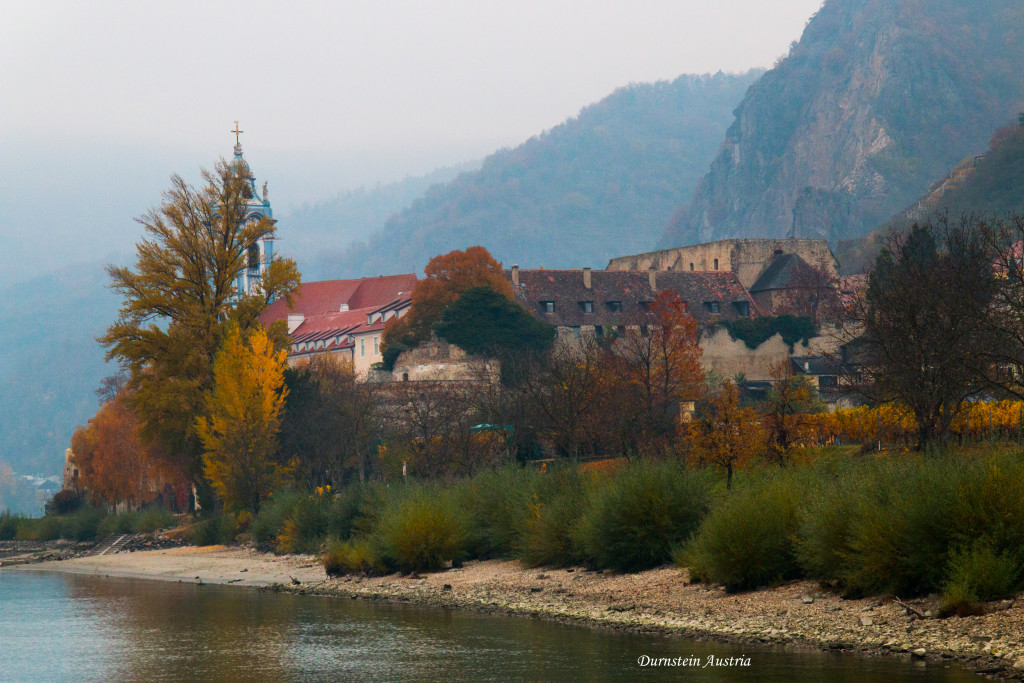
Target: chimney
652 277
586 277
515 275
294 320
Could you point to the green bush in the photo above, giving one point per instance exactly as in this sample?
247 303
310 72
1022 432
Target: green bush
979 574
149 520
83 524
344 511
39 529
272 515
497 504
903 528
9 524
352 557
747 540
551 525
640 515
422 532
216 530
305 527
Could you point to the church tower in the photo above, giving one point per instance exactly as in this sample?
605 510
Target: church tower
261 253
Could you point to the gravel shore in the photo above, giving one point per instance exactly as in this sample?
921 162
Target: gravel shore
660 600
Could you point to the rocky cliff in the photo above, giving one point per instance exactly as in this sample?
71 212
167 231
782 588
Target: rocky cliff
877 100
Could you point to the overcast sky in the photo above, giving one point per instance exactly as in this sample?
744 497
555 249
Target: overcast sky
332 95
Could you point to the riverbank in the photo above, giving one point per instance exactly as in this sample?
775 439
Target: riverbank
659 600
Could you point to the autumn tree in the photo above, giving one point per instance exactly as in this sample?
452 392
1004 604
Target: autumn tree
728 434
115 464
244 416
921 343
790 400
331 422
660 357
446 278
179 297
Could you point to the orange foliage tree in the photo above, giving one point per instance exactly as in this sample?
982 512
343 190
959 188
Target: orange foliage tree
660 359
244 408
728 435
115 465
786 412
447 277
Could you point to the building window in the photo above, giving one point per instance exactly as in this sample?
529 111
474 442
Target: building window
598 331
587 306
376 346
547 306
742 307
711 306
644 305
362 348
644 331
576 332
691 266
614 306
716 264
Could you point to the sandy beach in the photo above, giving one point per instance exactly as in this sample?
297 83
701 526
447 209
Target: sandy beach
660 600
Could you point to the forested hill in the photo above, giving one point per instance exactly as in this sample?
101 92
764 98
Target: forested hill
599 185
989 185
316 235
51 363
879 99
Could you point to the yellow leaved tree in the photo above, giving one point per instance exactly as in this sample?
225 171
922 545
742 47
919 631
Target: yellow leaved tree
244 408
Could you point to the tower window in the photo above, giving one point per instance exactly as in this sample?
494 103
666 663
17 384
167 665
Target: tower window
716 264
691 266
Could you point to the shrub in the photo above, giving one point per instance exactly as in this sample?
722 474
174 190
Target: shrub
305 527
9 525
550 531
149 520
640 515
497 504
979 574
422 532
66 501
344 511
903 527
40 529
825 523
352 557
272 515
217 530
123 523
747 540
83 524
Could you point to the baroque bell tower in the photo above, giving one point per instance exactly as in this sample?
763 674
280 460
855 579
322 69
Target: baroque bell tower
261 253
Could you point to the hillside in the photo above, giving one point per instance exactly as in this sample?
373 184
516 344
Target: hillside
987 185
598 185
877 100
51 362
317 234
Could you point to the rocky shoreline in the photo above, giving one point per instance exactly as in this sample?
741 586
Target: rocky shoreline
658 601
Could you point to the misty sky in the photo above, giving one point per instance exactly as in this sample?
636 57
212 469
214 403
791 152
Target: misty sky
101 102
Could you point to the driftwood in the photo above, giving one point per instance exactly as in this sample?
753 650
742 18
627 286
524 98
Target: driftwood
908 608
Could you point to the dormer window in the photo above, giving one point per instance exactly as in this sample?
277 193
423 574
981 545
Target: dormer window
587 306
711 306
547 306
742 307
614 306
644 305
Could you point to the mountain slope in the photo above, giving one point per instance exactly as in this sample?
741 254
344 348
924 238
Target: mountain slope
598 185
51 362
987 185
877 100
316 235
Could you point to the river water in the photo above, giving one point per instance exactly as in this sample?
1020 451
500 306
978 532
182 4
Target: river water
64 627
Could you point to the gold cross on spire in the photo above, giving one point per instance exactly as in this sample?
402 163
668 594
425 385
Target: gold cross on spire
237 133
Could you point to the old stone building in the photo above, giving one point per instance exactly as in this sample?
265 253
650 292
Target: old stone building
748 259
598 302
342 318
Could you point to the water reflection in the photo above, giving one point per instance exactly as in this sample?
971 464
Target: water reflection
66 627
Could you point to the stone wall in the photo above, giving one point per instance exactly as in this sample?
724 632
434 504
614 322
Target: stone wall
747 258
438 361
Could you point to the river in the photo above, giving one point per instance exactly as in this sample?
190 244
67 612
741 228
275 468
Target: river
64 627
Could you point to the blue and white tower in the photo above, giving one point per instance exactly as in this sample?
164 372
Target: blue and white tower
261 253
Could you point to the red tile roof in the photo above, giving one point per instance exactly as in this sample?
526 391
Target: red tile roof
328 296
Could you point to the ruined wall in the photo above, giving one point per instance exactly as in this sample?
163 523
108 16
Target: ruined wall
748 258
438 361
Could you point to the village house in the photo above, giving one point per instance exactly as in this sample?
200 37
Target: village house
342 318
